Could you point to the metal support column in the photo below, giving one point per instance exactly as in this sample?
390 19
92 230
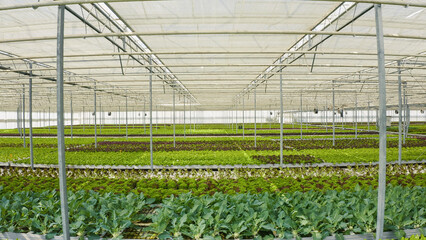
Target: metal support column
31 115
119 119
255 113
405 113
281 117
382 123
150 114
174 117
399 115
60 122
96 127
333 114
144 116
23 114
301 117
72 119
127 130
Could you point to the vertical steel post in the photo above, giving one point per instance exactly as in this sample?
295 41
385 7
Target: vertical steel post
281 116
31 115
119 119
382 122
144 115
333 114
174 117
127 130
399 115
301 117
255 113
150 114
405 113
23 114
72 119
60 122
96 127
100 115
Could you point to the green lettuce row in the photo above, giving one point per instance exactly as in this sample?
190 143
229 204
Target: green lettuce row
162 188
90 213
316 214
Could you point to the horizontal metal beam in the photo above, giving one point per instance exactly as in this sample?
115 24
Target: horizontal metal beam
279 33
221 65
109 54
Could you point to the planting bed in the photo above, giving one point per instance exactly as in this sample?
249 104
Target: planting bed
212 204
247 203
207 151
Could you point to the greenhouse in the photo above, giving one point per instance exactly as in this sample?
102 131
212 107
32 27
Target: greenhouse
212 119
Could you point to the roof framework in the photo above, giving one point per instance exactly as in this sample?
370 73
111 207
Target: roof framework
212 53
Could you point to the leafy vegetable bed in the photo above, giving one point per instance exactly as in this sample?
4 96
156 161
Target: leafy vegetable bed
232 145
161 188
316 214
410 169
287 159
297 214
211 145
90 213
